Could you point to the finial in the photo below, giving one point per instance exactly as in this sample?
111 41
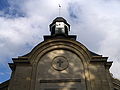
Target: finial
59 9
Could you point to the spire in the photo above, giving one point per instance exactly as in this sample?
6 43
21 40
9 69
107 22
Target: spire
59 10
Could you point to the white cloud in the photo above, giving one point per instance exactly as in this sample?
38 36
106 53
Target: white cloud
96 25
15 33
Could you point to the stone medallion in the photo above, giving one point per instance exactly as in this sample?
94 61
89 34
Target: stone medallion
60 63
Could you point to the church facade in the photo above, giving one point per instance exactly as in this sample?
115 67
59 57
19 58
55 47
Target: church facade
60 63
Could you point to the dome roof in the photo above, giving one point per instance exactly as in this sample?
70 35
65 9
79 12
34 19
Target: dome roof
59 19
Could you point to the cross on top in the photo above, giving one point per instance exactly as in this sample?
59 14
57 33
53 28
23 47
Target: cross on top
60 62
59 9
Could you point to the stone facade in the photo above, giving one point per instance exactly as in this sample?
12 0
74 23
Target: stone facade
61 63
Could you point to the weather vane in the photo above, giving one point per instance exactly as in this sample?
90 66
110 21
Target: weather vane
59 9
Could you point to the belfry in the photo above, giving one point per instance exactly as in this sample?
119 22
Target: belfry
60 63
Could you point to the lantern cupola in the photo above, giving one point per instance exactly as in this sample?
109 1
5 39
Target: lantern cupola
59 27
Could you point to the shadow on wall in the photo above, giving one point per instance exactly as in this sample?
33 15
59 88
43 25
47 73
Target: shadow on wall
52 75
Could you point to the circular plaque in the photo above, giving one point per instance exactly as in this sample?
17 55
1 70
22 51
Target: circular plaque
60 63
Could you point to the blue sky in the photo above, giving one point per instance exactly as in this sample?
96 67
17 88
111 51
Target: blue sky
24 22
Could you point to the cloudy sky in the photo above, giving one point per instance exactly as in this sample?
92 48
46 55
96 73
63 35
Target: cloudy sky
24 22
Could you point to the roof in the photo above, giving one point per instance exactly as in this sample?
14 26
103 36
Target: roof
4 85
116 83
94 54
59 19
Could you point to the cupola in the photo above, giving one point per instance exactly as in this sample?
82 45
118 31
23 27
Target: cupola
59 27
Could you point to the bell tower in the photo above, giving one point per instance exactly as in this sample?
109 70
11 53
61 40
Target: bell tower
59 27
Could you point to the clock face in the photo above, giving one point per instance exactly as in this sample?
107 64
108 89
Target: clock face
60 63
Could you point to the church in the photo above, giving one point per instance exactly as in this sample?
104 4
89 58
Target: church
60 63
